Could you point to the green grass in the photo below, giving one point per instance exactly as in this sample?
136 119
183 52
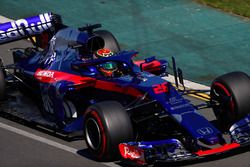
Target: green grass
240 7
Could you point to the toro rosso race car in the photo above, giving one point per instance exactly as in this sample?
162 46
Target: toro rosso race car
122 106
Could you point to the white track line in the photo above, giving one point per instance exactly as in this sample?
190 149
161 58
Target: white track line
38 138
47 141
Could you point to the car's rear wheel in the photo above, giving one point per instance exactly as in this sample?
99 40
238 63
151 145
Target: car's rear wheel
106 124
110 41
231 92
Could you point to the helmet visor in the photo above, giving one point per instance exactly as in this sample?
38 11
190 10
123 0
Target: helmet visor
109 66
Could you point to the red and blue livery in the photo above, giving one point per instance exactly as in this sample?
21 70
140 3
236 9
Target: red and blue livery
134 113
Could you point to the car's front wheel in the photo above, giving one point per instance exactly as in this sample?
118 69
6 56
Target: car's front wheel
231 94
106 124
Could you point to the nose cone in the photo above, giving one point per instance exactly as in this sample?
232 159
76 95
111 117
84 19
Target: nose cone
208 135
210 140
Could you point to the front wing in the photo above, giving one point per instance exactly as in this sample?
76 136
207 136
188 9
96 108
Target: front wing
172 150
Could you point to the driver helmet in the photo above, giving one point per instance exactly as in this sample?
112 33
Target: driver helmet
107 68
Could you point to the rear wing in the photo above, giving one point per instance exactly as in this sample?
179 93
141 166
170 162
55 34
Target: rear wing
27 27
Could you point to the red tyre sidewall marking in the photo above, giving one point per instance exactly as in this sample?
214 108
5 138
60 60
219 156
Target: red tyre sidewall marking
103 135
221 86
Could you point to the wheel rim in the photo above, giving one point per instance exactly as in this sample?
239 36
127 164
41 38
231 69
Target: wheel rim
93 134
218 90
225 112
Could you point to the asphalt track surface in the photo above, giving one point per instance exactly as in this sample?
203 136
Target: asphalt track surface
24 146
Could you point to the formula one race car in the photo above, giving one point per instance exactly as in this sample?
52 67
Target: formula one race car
123 106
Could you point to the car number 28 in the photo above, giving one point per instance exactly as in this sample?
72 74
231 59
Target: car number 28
160 88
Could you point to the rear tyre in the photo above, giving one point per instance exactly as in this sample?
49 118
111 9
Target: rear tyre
106 124
2 85
110 41
232 93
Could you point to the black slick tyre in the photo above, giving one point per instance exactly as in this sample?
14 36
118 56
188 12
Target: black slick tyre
231 92
106 124
110 41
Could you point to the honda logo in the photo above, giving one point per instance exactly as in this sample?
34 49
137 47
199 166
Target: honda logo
205 131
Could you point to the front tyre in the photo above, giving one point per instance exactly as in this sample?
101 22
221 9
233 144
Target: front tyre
106 124
231 92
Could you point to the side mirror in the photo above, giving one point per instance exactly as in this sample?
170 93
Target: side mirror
147 60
